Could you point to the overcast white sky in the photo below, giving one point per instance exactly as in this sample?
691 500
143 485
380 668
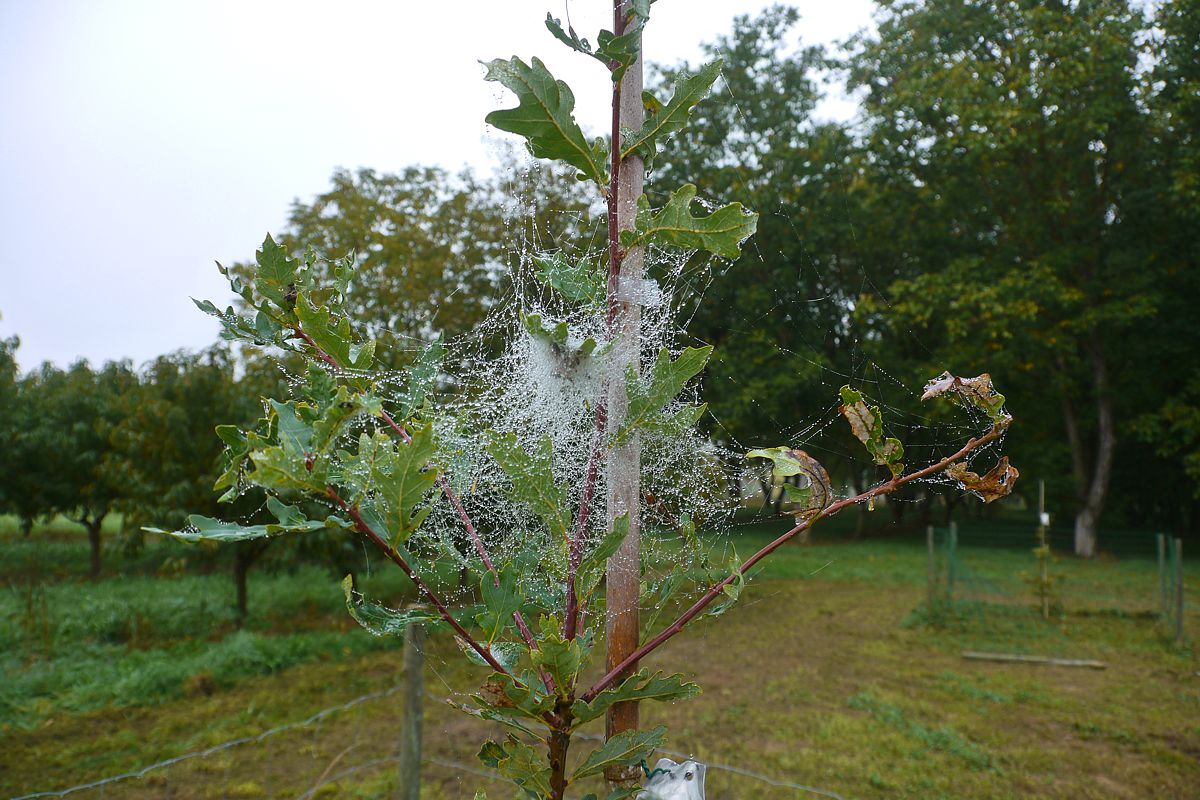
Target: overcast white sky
139 141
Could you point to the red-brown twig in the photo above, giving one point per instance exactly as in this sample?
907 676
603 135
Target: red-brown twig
573 613
687 616
420 583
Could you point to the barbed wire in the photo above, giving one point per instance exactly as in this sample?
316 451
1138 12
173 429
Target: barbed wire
352 770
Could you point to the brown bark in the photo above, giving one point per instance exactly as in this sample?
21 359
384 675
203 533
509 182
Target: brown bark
1087 518
93 533
623 582
560 742
247 554
1075 441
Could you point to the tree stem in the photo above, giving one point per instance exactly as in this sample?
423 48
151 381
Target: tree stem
623 571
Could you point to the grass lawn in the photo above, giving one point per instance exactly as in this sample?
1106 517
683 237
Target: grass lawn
826 674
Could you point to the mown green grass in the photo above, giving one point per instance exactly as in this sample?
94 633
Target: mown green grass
70 646
831 673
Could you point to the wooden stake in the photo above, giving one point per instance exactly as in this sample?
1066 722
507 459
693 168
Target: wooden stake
951 560
1045 557
930 567
624 464
1179 591
414 696
1163 603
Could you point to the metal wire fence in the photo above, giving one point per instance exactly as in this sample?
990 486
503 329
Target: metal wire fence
347 750
999 589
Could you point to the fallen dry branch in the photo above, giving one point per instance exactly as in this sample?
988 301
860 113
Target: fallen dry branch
1055 662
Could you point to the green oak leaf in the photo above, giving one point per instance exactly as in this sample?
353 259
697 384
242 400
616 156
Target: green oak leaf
237 328
344 407
500 602
732 591
275 276
518 762
615 52
619 52
580 280
721 232
639 686
532 480
568 37
293 463
334 335
379 619
544 116
536 326
290 520
666 380
562 658
501 692
495 715
629 747
665 120
401 477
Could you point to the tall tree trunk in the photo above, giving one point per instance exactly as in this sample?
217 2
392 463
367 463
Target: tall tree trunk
93 531
1087 518
246 554
241 566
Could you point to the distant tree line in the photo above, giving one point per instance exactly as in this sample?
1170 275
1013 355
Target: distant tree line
1020 193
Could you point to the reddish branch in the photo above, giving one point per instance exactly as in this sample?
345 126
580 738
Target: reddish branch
450 494
714 591
420 583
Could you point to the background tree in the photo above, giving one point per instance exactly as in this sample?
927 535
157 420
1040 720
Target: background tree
1168 392
1017 132
70 418
14 480
435 251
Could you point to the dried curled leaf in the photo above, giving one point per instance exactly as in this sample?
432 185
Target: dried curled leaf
997 483
866 422
977 391
812 493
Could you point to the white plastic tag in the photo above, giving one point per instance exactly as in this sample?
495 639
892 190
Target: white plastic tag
671 781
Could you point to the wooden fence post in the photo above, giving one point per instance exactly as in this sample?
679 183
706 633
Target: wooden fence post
1179 591
1163 608
931 566
951 561
414 697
